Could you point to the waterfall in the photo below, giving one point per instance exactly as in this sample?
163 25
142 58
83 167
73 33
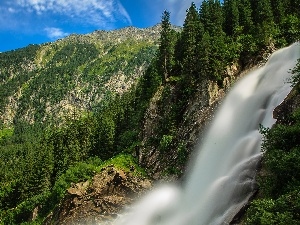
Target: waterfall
222 175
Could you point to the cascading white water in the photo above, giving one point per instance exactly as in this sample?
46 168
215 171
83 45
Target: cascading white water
223 173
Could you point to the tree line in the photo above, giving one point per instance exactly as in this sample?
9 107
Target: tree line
216 34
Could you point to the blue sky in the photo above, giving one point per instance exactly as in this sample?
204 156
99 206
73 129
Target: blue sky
24 22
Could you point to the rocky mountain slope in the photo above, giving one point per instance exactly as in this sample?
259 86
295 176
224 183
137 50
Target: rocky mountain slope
73 75
101 200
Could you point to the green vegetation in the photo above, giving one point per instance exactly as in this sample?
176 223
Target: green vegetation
295 80
43 149
5 133
53 81
279 181
125 163
279 184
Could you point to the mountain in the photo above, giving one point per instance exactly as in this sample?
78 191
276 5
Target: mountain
74 75
90 120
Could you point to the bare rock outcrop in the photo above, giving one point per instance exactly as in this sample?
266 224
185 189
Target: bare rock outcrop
100 200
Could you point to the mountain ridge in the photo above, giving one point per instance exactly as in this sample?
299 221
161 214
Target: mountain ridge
132 48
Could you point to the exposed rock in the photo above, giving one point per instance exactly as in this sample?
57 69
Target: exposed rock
78 189
292 102
99 200
34 214
198 114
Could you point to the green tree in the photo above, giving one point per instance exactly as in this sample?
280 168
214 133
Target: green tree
279 10
289 29
262 11
166 47
105 136
211 16
232 17
293 8
70 144
245 16
245 41
295 79
204 51
264 22
190 37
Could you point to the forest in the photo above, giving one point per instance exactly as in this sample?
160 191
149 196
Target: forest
39 160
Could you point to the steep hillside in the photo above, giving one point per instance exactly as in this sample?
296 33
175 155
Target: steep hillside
133 104
74 75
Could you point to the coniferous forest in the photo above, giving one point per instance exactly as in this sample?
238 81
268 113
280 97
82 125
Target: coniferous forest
41 154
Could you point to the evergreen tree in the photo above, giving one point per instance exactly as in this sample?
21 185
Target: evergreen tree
166 47
178 54
263 12
278 10
243 43
289 29
264 22
204 51
231 13
211 16
192 29
287 20
295 79
245 16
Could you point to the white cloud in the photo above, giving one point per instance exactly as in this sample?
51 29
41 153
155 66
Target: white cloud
55 33
11 10
124 13
96 12
7 20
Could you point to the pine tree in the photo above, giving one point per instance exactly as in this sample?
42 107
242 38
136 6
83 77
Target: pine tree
211 16
243 41
245 16
192 28
178 55
287 20
263 12
166 47
279 10
295 80
264 23
231 13
289 29
204 51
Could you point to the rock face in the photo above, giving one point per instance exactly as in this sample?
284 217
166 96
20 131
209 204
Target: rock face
100 200
292 102
198 113
162 164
